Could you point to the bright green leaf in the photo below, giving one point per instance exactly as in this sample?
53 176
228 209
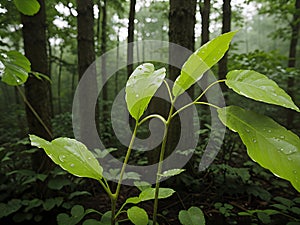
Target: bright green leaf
192 216
133 200
137 215
173 172
27 7
71 155
15 68
149 193
268 143
257 86
141 86
201 61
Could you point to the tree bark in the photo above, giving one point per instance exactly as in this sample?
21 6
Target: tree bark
130 37
86 56
295 26
37 91
226 27
205 12
182 21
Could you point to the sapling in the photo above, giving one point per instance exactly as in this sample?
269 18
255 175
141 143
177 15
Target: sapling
268 143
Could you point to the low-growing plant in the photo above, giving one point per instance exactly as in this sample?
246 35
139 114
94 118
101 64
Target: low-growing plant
268 143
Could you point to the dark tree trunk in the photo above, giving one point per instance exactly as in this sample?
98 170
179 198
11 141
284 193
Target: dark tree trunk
130 37
86 56
295 25
182 21
205 12
226 26
37 91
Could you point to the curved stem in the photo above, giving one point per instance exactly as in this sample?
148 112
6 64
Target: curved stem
200 96
114 197
169 90
34 112
157 116
207 103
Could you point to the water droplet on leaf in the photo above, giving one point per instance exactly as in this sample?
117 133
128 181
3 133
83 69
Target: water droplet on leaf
136 95
62 158
72 165
254 140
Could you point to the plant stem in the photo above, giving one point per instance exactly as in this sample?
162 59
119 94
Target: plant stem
34 112
160 163
200 96
114 197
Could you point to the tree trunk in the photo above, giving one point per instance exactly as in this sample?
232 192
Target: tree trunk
182 20
295 25
86 56
226 26
37 91
130 37
205 12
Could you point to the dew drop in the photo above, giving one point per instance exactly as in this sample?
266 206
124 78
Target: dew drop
136 95
72 165
89 158
269 131
289 158
294 171
62 158
247 131
282 137
254 140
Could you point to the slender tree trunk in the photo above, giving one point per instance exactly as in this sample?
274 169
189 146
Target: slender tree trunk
205 12
50 75
37 91
130 37
59 79
295 25
226 27
86 56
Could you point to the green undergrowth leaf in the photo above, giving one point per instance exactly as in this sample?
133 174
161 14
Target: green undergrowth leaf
192 216
141 86
259 87
268 143
137 215
71 155
173 172
15 68
201 61
27 7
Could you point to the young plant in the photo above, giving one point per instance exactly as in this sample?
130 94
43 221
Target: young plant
268 143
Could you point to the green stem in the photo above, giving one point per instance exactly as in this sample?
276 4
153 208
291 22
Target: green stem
207 103
34 112
160 163
114 197
200 96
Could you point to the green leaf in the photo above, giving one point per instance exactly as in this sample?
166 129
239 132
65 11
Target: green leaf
268 143
133 200
141 86
9 208
16 68
137 215
71 155
27 7
92 222
142 185
201 61
257 86
149 193
192 216
77 214
173 172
